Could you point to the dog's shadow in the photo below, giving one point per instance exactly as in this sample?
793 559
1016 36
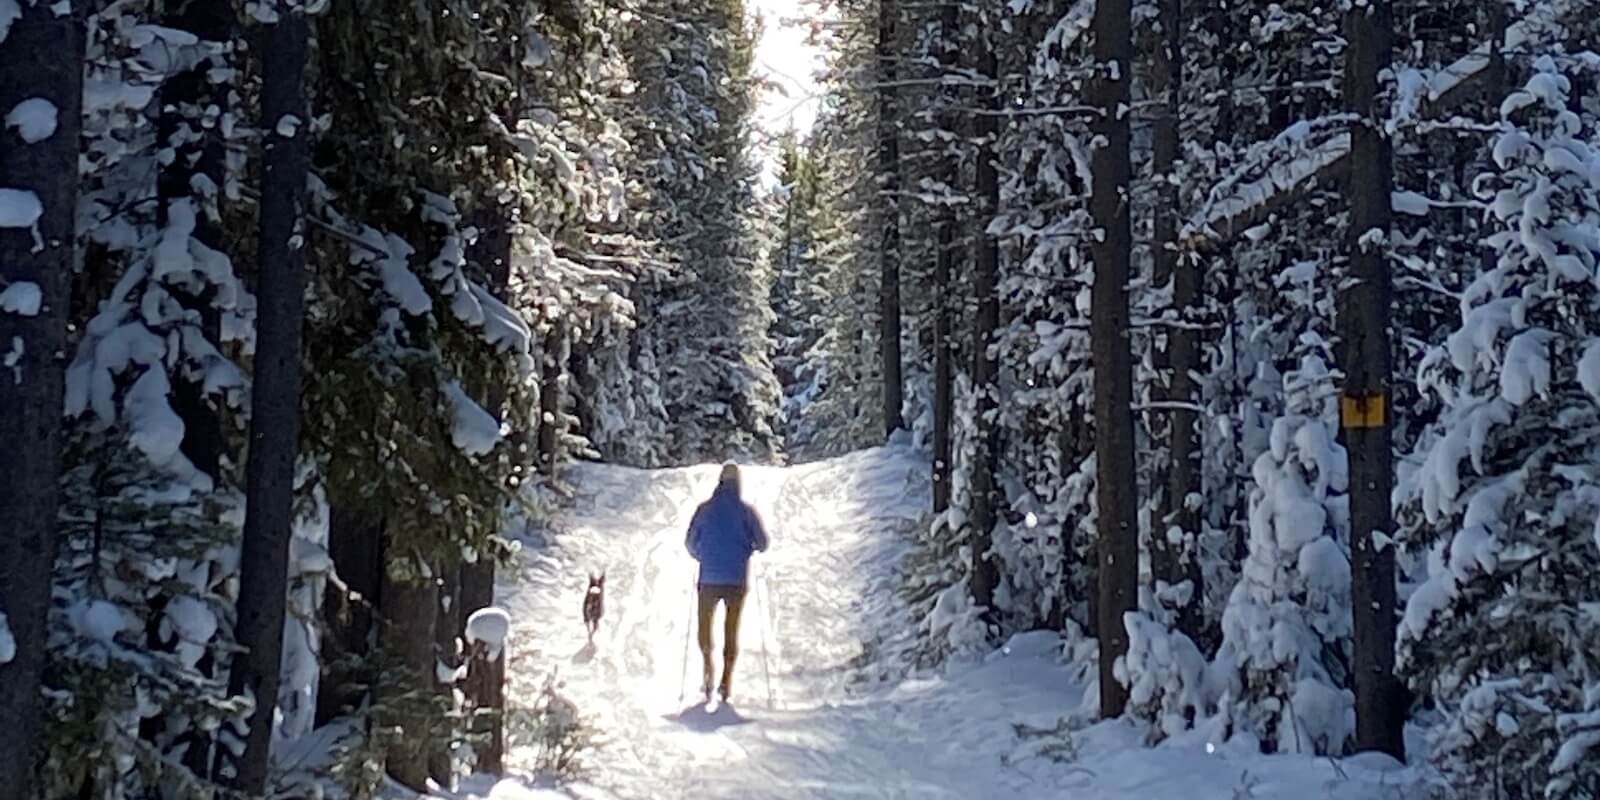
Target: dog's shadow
585 655
701 719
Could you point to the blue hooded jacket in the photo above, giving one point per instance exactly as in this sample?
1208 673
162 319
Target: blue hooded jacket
724 533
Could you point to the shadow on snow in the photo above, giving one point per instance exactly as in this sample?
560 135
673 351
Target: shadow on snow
702 719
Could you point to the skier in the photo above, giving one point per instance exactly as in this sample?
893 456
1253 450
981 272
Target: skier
723 535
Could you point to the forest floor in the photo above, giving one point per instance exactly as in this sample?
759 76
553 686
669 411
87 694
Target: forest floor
825 703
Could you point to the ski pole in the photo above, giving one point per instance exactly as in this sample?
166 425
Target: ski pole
683 671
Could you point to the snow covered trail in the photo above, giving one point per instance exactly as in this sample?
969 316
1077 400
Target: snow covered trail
837 723
824 590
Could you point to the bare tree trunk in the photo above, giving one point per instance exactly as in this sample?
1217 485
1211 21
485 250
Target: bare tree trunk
409 600
944 345
1115 491
985 365
275 395
42 57
1365 414
944 349
889 200
1173 562
445 631
355 542
486 694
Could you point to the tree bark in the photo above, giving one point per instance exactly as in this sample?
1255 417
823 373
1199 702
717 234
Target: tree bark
486 694
889 244
985 365
944 344
409 600
41 57
275 395
1179 355
446 627
355 543
944 348
1115 491
1365 419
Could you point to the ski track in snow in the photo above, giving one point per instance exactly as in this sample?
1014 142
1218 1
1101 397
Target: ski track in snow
831 727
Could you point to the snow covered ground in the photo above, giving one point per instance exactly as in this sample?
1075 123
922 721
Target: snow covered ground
816 712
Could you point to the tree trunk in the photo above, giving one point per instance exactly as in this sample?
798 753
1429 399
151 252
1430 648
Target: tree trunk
1365 414
409 601
42 57
486 695
355 543
889 201
550 399
446 627
985 365
1175 562
944 349
275 396
1115 491
1225 291
944 345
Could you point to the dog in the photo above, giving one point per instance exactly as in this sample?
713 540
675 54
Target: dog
594 603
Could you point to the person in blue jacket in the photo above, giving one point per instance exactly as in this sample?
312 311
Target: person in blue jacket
723 535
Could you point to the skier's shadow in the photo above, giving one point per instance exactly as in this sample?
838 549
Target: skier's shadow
585 655
702 719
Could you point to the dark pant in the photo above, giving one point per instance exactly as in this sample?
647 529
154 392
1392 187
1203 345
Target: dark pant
733 596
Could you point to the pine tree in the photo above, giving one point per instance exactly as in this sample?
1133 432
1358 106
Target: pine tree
1494 633
708 332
